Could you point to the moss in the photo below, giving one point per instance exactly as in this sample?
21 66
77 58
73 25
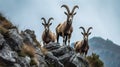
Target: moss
2 64
94 61
32 62
21 53
51 65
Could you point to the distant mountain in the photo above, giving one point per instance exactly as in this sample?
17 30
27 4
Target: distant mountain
108 51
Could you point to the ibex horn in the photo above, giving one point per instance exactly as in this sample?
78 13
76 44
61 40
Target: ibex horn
66 8
43 19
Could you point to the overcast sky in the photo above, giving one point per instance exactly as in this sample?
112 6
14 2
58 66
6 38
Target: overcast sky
102 15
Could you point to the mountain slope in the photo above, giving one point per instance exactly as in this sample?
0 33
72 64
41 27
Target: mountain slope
107 50
22 49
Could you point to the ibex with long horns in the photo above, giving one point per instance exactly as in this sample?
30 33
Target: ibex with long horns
65 29
47 35
82 46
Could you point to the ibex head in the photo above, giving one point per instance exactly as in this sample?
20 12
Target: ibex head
86 34
46 24
70 14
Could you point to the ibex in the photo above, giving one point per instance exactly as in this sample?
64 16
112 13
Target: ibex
83 46
65 29
47 35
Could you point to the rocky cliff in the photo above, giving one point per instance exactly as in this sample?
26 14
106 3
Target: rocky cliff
21 49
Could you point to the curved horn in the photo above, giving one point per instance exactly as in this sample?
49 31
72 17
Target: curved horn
67 8
76 6
83 29
50 19
43 19
89 29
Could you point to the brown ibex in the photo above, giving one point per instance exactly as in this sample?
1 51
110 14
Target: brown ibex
82 46
65 29
47 35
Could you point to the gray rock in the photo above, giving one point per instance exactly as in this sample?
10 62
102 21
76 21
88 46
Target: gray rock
51 59
42 61
3 43
23 61
14 40
52 46
78 61
57 55
62 50
28 36
6 55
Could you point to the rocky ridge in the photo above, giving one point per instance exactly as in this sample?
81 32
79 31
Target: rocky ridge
22 49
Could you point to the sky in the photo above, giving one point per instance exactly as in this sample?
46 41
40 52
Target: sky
102 15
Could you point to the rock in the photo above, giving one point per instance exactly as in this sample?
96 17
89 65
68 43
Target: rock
67 56
51 59
13 53
56 55
14 40
62 50
79 61
52 46
42 61
24 61
28 36
2 42
8 56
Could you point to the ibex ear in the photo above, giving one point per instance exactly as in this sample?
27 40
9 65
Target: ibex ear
65 13
82 33
74 13
50 24
89 33
43 24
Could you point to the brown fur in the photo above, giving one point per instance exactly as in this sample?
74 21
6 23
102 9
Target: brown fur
47 35
50 37
82 46
65 29
78 45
